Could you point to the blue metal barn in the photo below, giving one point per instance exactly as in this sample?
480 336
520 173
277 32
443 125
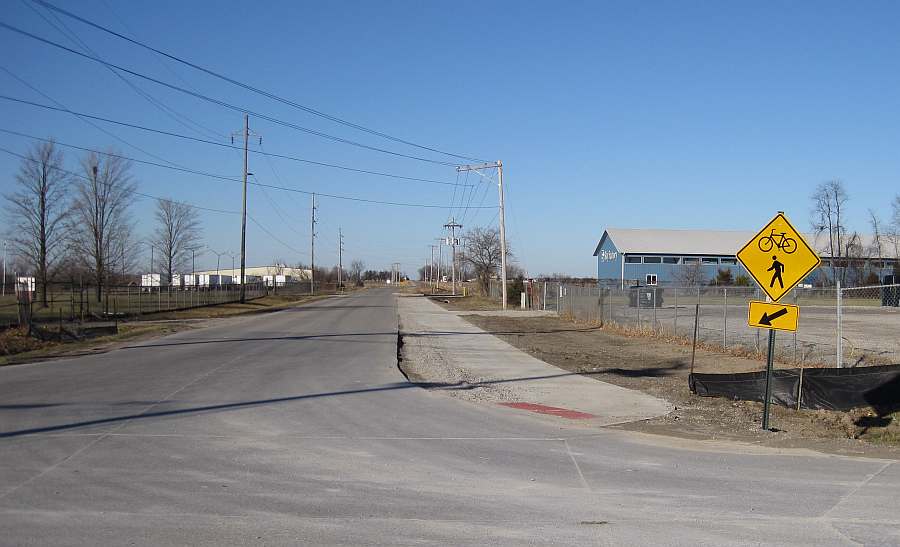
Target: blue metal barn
649 257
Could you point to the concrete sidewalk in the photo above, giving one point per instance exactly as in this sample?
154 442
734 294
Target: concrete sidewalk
443 349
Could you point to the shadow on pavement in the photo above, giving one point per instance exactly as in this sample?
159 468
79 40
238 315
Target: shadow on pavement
250 404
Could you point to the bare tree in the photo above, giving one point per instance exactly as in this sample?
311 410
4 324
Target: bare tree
880 240
892 231
277 267
37 210
877 234
356 269
483 254
99 216
829 200
177 233
689 275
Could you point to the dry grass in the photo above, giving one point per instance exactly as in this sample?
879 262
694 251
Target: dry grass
655 365
16 346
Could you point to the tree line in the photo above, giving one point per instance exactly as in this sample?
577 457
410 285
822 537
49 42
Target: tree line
852 255
76 224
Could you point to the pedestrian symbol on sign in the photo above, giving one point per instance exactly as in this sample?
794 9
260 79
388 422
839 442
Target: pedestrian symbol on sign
776 267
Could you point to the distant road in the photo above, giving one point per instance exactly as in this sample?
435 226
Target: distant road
297 428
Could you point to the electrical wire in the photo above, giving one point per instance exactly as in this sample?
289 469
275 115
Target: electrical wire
176 116
220 177
63 108
223 145
162 63
151 196
221 102
248 87
273 236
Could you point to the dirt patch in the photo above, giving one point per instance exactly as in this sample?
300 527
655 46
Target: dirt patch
661 369
16 347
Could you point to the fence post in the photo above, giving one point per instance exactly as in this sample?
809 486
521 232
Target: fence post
600 305
637 293
725 320
840 327
655 305
675 326
696 327
797 303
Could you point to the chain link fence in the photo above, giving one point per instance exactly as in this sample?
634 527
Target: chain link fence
838 327
68 303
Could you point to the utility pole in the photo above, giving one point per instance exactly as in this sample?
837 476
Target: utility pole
432 267
312 248
4 267
244 207
440 263
452 226
340 259
499 166
246 135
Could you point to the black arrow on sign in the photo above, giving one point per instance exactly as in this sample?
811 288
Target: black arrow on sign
767 319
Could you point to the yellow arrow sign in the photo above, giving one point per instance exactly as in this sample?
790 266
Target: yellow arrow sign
778 257
771 315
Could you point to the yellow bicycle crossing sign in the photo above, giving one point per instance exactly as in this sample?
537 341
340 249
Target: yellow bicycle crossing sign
778 257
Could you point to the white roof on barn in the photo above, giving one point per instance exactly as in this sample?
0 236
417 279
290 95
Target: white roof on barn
722 242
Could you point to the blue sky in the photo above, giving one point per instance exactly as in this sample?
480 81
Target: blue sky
652 114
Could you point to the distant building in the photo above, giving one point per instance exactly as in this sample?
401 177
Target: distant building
259 272
667 257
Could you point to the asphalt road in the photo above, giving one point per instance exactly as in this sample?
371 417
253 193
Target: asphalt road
297 428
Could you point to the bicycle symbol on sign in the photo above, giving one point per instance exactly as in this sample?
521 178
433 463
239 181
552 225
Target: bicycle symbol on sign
778 241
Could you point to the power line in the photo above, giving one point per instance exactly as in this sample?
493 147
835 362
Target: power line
273 236
162 63
220 102
74 174
247 86
114 155
220 177
71 35
63 108
223 145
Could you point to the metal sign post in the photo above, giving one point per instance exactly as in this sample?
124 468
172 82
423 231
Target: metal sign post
769 370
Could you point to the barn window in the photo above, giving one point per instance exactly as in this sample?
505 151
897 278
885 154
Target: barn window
632 260
708 260
671 260
652 259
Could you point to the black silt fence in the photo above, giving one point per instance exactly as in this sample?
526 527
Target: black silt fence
821 388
